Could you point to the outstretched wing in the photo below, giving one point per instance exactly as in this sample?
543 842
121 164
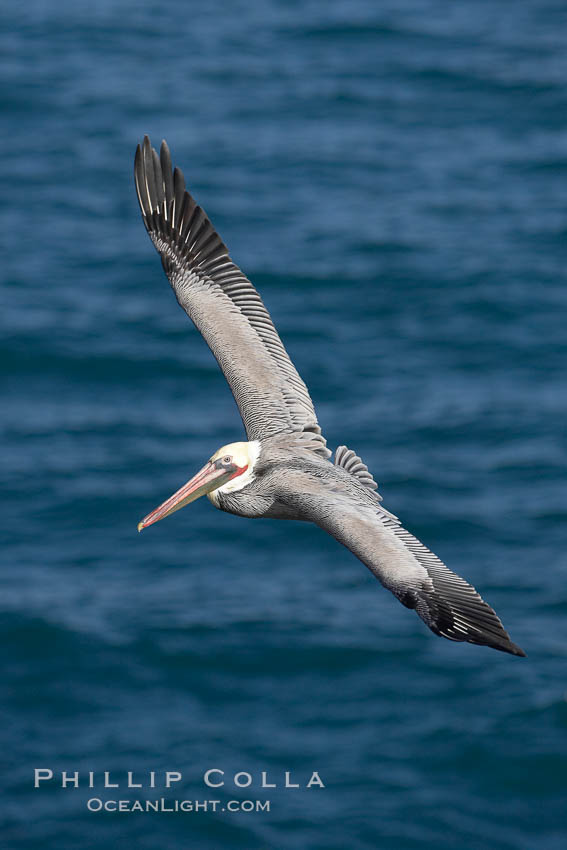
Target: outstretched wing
445 602
449 605
223 304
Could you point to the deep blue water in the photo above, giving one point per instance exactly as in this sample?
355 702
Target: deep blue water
393 178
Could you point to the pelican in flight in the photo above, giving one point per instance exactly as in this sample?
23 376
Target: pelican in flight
284 470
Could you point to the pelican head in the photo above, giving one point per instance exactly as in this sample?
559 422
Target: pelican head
230 468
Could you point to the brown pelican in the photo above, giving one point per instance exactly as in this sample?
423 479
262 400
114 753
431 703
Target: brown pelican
283 471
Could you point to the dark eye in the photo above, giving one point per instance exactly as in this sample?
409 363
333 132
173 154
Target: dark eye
227 459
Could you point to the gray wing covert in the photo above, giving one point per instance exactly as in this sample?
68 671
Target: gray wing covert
352 463
223 304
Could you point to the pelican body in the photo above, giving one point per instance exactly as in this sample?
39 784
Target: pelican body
284 470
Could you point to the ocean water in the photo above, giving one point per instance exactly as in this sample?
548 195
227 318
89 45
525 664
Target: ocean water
393 178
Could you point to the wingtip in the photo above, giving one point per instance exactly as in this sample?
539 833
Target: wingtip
506 646
516 650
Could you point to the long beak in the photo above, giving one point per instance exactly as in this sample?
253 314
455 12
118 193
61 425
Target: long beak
207 479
